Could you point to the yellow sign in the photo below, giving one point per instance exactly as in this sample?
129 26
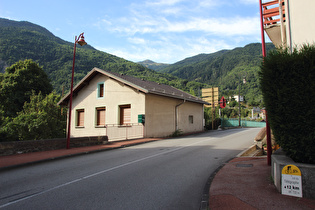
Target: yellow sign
291 181
211 95
291 170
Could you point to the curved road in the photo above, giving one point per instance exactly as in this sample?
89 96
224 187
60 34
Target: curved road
166 174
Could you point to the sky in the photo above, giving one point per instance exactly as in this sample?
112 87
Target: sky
164 31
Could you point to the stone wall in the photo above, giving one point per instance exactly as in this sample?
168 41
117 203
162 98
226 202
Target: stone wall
19 147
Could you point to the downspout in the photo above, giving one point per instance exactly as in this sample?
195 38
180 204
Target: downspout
283 33
176 113
288 23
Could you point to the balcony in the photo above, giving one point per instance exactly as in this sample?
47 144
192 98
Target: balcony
273 13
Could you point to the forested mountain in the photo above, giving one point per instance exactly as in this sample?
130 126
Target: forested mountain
224 69
152 65
20 40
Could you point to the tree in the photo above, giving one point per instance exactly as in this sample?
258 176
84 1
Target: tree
17 84
287 82
41 118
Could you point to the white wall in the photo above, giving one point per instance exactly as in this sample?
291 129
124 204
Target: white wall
115 94
160 116
300 20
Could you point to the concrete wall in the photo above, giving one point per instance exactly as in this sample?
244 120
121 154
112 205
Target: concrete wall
115 94
279 160
190 109
300 27
160 117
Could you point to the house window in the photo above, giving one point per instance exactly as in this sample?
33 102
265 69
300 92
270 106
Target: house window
100 116
191 119
80 118
100 90
125 114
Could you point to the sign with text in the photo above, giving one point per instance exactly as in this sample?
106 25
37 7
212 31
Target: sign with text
211 95
291 181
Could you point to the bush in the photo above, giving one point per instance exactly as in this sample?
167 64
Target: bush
287 82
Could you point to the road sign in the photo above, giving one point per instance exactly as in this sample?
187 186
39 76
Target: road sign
222 102
291 181
211 95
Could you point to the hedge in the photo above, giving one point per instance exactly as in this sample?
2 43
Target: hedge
288 86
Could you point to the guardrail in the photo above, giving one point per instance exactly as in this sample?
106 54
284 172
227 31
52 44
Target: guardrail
244 123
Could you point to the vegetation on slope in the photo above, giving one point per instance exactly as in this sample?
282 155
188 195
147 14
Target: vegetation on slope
24 40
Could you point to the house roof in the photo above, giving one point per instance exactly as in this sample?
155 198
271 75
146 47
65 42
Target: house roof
147 87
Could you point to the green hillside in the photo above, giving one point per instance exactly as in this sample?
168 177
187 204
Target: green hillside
225 69
20 40
152 65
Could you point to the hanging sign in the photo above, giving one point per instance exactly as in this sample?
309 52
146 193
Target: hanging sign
291 181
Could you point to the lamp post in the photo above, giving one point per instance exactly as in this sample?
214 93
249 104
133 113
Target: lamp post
80 40
239 101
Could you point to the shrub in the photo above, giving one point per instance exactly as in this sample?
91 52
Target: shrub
288 86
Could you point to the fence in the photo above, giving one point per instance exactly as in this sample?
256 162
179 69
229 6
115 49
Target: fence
124 132
244 123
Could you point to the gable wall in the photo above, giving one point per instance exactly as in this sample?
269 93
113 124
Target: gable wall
160 116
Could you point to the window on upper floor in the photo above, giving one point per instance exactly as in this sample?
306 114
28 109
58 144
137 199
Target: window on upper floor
100 90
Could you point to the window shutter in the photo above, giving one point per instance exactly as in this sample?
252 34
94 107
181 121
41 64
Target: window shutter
125 114
101 90
101 112
80 121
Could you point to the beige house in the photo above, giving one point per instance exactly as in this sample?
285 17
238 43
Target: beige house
125 107
289 23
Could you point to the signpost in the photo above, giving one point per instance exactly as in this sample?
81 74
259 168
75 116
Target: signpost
211 95
291 181
222 102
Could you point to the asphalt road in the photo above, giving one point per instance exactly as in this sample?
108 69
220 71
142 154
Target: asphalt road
166 174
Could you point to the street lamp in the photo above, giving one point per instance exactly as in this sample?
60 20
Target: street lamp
239 101
80 40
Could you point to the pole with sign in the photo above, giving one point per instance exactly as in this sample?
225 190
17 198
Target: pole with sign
211 95
222 106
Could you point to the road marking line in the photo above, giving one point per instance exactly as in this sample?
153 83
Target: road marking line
100 172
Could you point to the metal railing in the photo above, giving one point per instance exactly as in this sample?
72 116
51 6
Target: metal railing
272 14
123 132
233 122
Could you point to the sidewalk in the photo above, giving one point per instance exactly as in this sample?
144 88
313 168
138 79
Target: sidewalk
12 161
243 183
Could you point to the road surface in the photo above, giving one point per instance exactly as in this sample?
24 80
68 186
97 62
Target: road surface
165 174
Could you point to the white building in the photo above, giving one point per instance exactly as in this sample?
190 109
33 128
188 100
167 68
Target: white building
289 23
111 104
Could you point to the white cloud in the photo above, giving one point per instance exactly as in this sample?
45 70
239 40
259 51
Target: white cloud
249 1
170 30
162 2
218 26
135 40
210 3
